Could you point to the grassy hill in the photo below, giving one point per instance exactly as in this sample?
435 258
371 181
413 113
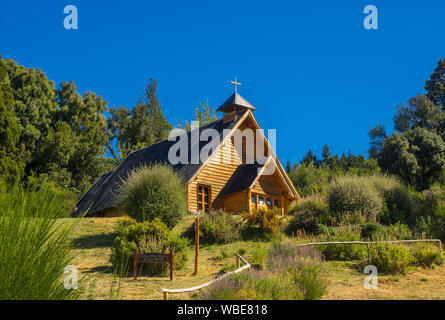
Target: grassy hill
94 238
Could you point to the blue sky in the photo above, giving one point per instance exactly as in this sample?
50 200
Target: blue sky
310 68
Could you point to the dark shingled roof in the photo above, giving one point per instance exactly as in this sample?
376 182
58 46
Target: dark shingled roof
235 100
242 178
102 194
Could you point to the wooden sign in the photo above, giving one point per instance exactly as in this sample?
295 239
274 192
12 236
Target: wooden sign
153 257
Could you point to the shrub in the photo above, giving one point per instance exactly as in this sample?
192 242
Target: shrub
148 236
150 192
369 230
426 255
264 221
259 255
342 251
311 280
219 227
353 193
429 212
307 214
390 258
397 199
35 246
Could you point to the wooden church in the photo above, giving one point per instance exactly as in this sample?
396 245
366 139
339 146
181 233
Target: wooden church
235 186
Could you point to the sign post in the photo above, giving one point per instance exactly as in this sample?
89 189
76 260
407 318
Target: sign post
196 246
152 257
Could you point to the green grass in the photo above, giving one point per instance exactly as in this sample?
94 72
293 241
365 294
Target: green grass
94 238
34 247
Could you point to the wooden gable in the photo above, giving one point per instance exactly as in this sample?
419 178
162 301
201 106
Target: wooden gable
222 165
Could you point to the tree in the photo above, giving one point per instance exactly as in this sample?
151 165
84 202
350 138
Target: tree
417 156
288 166
309 158
142 126
326 155
11 161
420 112
376 136
435 87
204 114
83 118
35 104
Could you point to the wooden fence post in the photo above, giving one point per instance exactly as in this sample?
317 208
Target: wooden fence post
196 246
171 263
135 262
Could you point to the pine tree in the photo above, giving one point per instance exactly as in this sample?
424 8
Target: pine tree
309 158
435 87
142 126
326 154
288 166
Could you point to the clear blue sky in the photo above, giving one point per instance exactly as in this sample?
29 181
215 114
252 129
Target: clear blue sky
311 69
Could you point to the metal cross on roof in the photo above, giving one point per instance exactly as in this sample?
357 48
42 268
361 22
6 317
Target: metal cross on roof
235 83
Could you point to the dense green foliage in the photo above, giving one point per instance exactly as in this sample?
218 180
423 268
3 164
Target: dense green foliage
139 127
11 158
435 86
148 236
153 192
307 215
417 156
264 222
353 193
219 227
34 247
390 258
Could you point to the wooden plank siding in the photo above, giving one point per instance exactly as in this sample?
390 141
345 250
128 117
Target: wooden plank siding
217 172
235 202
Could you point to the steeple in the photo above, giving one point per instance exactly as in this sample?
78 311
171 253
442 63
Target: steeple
235 104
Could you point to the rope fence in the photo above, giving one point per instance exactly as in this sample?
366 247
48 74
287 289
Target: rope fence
239 258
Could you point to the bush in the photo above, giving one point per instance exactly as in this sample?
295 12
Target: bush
369 230
430 212
426 255
342 251
353 193
151 192
35 246
148 236
397 199
307 214
311 280
390 258
378 232
219 227
264 221
259 255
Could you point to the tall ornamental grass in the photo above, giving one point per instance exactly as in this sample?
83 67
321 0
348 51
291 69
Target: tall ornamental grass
34 246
